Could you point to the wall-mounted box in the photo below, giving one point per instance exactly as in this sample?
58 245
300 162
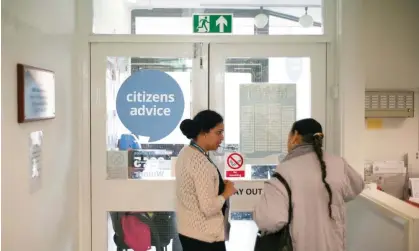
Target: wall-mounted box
389 104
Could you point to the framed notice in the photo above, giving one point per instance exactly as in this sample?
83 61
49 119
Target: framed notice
35 94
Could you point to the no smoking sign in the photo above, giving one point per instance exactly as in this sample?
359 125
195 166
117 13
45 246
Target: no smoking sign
235 165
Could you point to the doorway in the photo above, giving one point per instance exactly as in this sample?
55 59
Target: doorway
136 174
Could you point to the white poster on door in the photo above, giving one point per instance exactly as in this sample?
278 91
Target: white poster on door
267 113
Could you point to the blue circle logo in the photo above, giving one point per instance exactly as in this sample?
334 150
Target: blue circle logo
150 103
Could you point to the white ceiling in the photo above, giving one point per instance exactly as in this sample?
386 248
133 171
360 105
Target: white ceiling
222 3
47 16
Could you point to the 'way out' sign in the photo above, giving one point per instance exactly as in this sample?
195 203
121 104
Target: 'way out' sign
212 23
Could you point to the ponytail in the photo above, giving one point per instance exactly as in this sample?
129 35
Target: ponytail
311 132
317 145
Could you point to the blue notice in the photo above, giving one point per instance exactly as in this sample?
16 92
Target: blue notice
150 103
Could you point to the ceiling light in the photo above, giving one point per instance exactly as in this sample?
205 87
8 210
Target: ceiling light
261 20
306 20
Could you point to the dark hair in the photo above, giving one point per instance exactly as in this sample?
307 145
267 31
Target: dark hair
203 122
312 133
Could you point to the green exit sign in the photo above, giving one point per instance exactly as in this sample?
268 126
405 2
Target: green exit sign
212 23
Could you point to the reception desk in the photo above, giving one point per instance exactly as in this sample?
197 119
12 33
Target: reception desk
378 221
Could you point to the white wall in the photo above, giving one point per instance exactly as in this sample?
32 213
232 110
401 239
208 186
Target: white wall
111 17
351 78
391 59
378 47
38 33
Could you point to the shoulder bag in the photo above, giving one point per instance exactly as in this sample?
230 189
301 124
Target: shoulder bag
280 240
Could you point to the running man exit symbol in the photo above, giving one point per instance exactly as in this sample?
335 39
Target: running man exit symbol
203 24
212 23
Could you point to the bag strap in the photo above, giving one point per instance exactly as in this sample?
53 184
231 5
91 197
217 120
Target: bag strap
287 187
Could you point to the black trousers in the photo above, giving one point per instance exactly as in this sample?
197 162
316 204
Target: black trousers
190 244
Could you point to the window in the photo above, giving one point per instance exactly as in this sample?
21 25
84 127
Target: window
276 116
165 18
282 21
155 157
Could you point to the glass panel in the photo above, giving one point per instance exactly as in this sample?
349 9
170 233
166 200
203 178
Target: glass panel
182 25
161 226
288 26
263 97
262 171
242 232
164 17
135 156
387 230
164 236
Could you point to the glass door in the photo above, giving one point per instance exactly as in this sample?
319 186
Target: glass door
139 95
261 89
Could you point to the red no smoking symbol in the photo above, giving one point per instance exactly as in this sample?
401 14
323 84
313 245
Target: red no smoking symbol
235 161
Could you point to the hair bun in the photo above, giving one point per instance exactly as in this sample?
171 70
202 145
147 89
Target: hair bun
189 128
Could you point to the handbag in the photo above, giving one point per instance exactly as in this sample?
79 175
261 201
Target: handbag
280 240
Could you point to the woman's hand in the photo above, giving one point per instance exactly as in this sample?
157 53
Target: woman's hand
229 189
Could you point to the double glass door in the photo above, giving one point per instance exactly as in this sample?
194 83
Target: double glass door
141 91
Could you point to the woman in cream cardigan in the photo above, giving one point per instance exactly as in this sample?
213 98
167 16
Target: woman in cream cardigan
202 194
